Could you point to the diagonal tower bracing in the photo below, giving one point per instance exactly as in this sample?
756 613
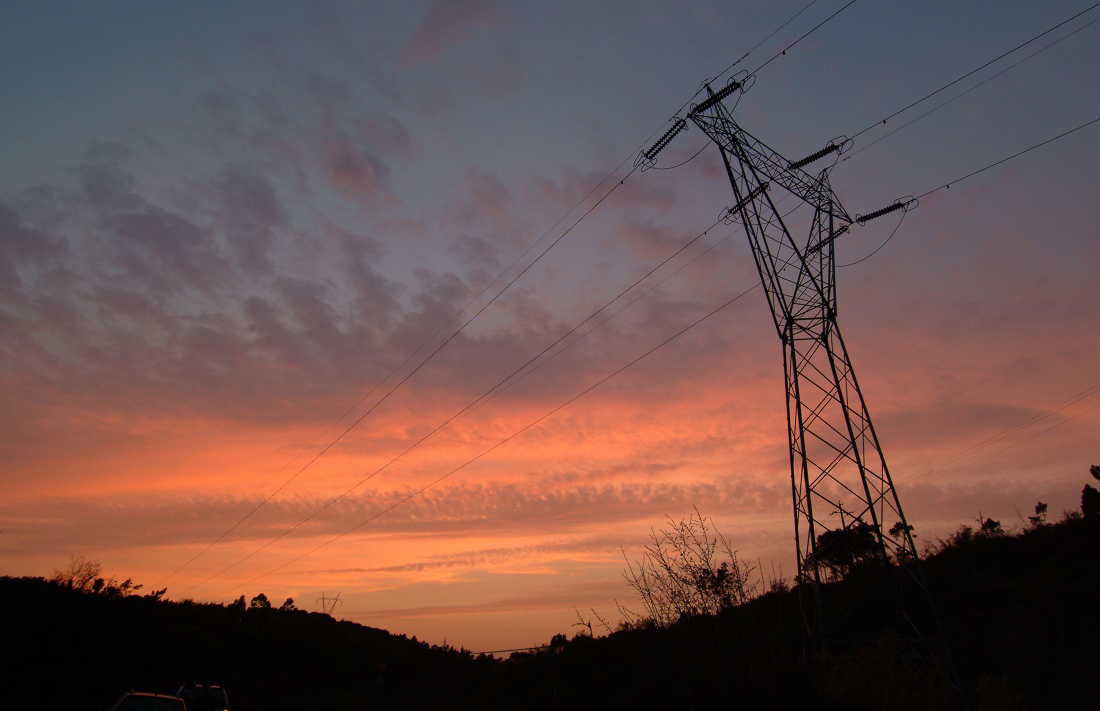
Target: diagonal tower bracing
839 477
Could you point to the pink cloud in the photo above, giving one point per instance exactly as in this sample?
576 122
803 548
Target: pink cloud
649 241
356 174
447 23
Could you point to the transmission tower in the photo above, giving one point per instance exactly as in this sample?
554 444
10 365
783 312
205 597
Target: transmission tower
839 477
328 604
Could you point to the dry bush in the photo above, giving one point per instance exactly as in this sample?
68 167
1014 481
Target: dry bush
87 576
688 568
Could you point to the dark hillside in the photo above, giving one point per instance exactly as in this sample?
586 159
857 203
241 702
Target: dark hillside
67 649
1021 613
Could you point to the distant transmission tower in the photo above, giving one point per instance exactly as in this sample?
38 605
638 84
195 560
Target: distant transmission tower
839 477
328 604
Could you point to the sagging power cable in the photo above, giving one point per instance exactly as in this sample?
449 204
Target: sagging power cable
910 203
1017 154
969 90
883 121
530 425
340 436
503 382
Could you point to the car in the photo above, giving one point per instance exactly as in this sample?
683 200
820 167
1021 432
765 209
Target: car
145 701
204 697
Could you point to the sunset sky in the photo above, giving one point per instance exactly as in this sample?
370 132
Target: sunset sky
227 228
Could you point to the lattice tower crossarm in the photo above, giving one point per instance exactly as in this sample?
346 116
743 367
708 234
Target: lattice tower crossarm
839 477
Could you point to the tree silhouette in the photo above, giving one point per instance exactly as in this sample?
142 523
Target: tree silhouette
899 529
1090 502
288 605
85 575
260 602
1040 517
688 568
81 574
991 528
843 550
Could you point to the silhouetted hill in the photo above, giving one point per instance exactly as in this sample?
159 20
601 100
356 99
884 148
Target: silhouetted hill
1020 613
68 649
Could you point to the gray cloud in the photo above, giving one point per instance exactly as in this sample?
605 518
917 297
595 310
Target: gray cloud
251 214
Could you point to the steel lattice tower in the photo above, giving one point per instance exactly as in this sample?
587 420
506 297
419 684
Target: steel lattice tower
839 477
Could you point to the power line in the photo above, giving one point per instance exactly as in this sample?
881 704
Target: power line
613 374
504 383
808 32
248 515
969 90
651 290
515 649
561 406
1083 395
531 245
355 423
746 55
470 405
702 148
947 185
683 162
534 423
585 391
1045 430
759 44
539 361
474 402
967 455
994 164
879 248
974 71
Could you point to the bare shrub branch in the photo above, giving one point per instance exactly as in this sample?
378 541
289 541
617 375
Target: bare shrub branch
688 568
